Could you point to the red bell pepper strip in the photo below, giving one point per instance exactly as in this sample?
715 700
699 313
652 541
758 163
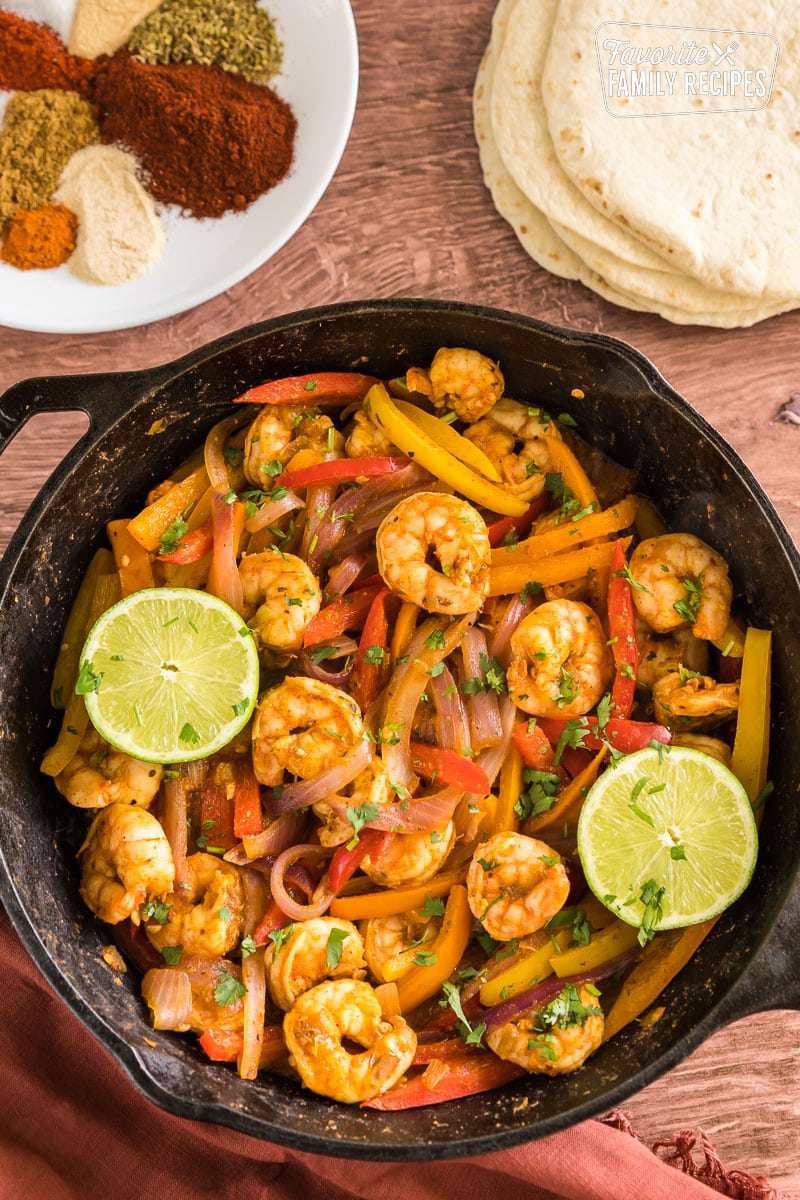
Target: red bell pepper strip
622 627
274 918
248 817
225 1045
433 763
446 1019
575 760
625 736
342 470
216 819
192 547
372 664
521 526
443 1049
465 1077
324 387
534 746
345 862
348 612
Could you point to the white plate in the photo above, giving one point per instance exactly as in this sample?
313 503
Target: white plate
203 258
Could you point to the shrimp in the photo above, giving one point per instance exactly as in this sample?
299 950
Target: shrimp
660 653
278 433
410 858
561 664
366 440
515 884
99 775
511 437
302 726
706 745
205 913
205 975
678 580
126 860
304 958
397 940
693 701
371 786
555 1038
281 594
434 524
319 1023
464 380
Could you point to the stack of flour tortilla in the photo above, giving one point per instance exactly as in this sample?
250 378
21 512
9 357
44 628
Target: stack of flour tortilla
695 216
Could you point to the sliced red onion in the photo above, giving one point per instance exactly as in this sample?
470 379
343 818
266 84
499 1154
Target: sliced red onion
345 647
320 901
485 726
309 791
492 759
168 993
342 577
544 992
454 732
318 503
422 814
256 898
254 979
219 473
516 610
223 577
279 835
272 511
299 875
238 857
194 774
176 825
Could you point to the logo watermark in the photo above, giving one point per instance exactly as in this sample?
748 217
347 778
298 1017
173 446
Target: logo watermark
678 70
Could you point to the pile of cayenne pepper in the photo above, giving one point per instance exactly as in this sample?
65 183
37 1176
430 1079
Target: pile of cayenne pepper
206 140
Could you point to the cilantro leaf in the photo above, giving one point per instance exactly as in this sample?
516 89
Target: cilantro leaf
334 947
228 990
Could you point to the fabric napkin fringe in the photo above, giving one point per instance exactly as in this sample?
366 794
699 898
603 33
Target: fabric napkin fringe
678 1151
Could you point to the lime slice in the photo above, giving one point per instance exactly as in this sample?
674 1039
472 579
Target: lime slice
672 819
169 674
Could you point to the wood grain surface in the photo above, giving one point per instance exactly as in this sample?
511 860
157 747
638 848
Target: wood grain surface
407 215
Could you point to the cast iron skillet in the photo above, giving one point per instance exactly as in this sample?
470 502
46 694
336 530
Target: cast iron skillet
748 963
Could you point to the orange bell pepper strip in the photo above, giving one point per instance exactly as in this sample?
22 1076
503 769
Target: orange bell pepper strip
403 630
434 764
216 819
323 387
225 1045
570 533
372 665
467 1076
504 819
622 627
547 572
194 545
441 1051
564 462
248 816
79 622
149 525
444 954
395 900
570 799
133 561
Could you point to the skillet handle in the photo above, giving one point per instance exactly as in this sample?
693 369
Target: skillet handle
772 978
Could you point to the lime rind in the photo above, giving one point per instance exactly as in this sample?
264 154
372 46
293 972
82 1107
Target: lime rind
178 673
701 807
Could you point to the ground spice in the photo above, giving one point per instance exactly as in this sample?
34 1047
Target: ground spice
235 35
40 132
40 238
206 140
33 57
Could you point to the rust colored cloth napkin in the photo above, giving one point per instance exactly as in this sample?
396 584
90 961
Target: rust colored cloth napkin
72 1127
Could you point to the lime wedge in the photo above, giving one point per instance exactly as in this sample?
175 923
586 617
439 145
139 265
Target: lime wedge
667 838
169 674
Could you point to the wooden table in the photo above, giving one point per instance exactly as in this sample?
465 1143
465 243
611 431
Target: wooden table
407 215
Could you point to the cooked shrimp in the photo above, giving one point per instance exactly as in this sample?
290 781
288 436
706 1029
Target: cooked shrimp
205 975
397 940
555 1038
706 745
99 775
366 440
317 1027
515 884
410 857
126 859
560 662
302 726
694 701
304 958
679 580
278 433
371 786
464 380
205 913
281 594
511 437
433 524
660 653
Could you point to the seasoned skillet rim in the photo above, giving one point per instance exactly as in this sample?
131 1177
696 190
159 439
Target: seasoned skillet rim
140 1065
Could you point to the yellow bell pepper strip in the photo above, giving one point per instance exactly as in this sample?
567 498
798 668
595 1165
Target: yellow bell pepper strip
605 945
751 743
154 521
323 387
443 954
527 971
395 900
133 562
505 819
404 628
570 533
648 519
413 440
569 801
69 652
563 461
450 440
560 568
661 961
449 1080
731 644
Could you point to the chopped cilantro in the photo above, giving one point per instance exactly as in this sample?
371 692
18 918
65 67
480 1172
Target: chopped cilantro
228 990
334 947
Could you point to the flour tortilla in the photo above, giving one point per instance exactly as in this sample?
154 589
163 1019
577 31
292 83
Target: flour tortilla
535 233
718 195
